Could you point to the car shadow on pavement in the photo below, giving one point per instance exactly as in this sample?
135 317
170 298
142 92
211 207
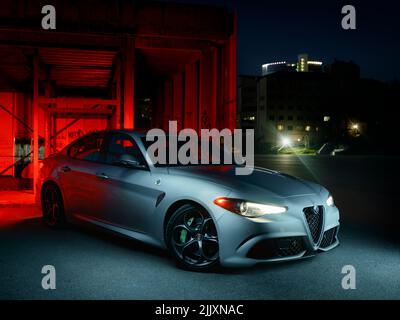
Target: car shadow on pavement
267 266
44 236
35 234
35 229
119 240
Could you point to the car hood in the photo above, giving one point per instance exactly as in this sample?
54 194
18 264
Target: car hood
273 182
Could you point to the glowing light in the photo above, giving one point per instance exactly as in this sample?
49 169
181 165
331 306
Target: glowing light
280 127
265 65
286 141
316 63
327 118
330 201
354 126
248 209
308 128
250 118
220 201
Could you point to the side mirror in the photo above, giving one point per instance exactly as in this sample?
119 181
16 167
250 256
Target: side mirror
130 161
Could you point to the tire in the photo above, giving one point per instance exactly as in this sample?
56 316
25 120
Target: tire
53 212
192 239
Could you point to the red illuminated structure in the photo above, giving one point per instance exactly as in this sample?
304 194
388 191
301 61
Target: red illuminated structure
110 64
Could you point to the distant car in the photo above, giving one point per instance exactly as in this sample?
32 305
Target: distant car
204 214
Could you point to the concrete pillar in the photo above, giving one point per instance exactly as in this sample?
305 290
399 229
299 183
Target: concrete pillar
128 53
232 77
168 103
47 133
227 82
35 108
191 96
158 108
117 94
178 99
208 92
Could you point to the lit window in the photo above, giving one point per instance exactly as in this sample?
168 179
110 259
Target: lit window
280 127
251 118
327 118
308 128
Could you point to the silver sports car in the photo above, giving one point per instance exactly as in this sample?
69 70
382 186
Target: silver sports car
204 214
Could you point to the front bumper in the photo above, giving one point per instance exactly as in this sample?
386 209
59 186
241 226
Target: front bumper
249 241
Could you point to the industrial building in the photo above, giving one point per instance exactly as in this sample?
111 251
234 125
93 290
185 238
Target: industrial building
108 64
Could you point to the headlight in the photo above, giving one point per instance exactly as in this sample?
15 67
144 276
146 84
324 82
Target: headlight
248 209
329 201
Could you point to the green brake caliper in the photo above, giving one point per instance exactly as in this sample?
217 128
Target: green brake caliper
183 235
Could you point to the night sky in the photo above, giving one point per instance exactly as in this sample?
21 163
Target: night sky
279 30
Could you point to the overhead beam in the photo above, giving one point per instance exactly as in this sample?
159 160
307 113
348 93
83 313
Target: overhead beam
174 43
83 101
80 111
35 38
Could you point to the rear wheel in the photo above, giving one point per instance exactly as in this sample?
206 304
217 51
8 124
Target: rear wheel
52 207
192 238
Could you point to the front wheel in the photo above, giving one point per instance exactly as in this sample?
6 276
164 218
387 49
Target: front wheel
53 207
192 238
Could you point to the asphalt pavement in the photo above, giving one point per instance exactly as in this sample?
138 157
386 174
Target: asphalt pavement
95 265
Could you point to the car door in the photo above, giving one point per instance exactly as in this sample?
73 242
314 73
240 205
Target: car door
129 192
79 176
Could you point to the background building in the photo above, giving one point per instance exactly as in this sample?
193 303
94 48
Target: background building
303 64
291 109
247 101
306 65
272 67
319 104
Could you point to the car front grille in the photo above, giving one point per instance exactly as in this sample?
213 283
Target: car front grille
314 217
328 238
277 248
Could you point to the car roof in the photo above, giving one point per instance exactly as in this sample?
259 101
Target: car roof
136 132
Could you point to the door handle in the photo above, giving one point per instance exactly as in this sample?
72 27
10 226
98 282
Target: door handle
65 169
102 176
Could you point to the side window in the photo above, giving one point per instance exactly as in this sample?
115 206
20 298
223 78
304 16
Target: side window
121 146
89 148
